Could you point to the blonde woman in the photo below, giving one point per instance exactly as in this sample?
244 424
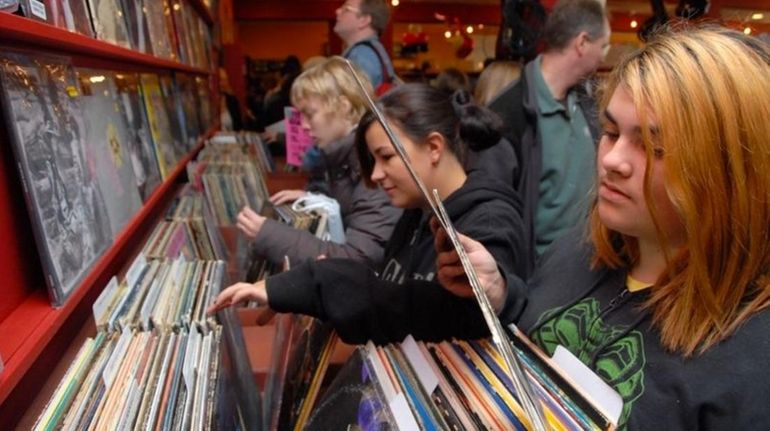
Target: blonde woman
330 104
667 300
494 78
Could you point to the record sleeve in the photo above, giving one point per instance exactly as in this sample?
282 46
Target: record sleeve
39 10
140 147
109 22
175 116
235 365
107 147
160 125
136 23
156 26
43 106
188 114
353 400
73 16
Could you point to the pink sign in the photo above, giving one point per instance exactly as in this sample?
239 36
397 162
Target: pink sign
297 139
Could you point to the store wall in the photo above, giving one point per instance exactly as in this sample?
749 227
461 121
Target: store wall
277 39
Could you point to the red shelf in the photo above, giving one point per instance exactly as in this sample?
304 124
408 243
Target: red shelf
27 334
203 11
18 29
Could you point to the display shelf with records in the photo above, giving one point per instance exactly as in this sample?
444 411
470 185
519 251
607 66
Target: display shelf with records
71 211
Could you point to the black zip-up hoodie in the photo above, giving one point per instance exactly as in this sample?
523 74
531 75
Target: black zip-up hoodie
364 305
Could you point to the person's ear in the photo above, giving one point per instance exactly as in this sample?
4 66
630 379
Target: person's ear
581 43
365 20
436 144
344 106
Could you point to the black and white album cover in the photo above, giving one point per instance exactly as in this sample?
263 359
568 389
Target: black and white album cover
42 106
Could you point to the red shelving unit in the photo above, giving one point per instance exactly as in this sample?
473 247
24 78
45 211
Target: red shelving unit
33 334
37 35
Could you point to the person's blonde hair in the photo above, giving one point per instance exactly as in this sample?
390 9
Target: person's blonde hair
709 90
494 78
328 81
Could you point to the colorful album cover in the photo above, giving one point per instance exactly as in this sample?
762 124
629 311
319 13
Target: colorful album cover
42 102
352 401
109 22
160 125
156 26
137 25
107 144
140 147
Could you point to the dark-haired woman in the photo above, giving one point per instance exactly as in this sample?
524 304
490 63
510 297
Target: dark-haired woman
436 131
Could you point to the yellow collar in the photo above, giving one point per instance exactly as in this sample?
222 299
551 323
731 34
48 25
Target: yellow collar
635 285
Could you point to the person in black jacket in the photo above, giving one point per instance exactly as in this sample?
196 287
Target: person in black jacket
435 129
550 119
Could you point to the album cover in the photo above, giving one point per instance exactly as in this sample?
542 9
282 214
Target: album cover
182 34
136 23
39 10
236 368
160 125
43 105
140 146
156 26
187 89
107 142
72 15
109 22
175 114
203 102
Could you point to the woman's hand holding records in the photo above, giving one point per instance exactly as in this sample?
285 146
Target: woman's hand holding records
240 292
286 196
249 223
451 273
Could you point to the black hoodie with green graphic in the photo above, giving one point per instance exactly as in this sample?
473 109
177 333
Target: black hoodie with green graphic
401 299
593 315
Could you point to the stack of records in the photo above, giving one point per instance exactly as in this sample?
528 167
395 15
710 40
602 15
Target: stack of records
238 146
448 385
231 187
173 239
140 380
160 294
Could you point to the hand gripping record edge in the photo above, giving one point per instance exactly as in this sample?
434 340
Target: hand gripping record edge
526 397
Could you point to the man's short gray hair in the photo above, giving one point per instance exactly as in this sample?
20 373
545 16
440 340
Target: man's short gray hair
569 18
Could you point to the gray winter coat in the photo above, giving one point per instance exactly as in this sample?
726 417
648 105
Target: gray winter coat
367 216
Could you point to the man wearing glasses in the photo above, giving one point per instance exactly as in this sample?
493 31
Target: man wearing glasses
360 24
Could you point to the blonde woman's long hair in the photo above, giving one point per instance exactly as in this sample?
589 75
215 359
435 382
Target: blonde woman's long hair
709 90
329 80
494 78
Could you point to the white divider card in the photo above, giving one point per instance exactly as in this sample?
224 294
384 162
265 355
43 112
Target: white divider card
117 357
421 367
604 397
191 360
135 271
527 397
102 303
